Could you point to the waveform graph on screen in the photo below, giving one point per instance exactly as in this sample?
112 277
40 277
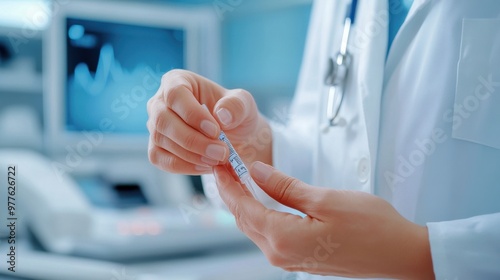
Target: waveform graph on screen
112 71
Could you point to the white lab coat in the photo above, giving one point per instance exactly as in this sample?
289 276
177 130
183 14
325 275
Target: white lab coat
422 128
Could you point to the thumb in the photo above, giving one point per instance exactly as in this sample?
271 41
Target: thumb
236 108
287 190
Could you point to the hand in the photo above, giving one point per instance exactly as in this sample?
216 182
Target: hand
184 136
345 233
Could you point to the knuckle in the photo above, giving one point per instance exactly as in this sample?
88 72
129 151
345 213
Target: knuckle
191 117
161 122
244 94
156 137
236 101
153 102
190 141
172 81
149 105
321 204
172 95
280 245
233 207
172 75
276 259
158 121
169 163
239 222
153 155
325 198
149 125
245 99
155 127
152 114
285 186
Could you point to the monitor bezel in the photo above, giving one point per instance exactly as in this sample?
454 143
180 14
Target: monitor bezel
58 139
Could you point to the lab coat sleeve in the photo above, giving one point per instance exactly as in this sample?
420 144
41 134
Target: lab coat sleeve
466 249
293 150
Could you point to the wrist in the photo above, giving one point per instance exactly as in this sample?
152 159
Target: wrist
421 258
411 255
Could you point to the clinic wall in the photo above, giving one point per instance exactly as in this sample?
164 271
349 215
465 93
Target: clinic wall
262 53
262 46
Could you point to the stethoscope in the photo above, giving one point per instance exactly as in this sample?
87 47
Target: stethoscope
338 70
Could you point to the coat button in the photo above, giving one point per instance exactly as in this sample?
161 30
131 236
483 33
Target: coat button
363 170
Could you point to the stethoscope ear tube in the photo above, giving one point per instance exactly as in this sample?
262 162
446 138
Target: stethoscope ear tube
338 69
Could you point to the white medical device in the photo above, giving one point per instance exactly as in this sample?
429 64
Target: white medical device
63 218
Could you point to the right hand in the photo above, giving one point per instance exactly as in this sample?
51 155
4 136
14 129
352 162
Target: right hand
184 136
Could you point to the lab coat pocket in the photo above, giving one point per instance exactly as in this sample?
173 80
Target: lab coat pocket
476 115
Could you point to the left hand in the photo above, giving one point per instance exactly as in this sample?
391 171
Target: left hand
345 233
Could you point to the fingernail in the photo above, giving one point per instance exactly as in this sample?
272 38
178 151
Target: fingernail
203 168
225 116
209 128
216 152
261 172
209 161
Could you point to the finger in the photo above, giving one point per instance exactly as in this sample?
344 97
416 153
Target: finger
269 229
204 90
182 102
261 241
236 107
288 190
169 145
184 91
231 171
226 178
249 213
167 123
172 163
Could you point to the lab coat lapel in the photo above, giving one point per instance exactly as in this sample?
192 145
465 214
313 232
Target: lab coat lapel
370 41
404 199
407 32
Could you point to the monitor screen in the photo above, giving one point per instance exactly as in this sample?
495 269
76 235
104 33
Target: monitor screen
105 194
112 71
105 59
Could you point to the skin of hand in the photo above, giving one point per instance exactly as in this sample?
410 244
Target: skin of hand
344 233
184 136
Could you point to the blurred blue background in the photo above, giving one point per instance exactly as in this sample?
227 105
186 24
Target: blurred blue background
262 46
58 84
262 52
262 42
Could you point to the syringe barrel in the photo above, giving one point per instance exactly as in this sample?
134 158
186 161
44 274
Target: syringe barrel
235 160
238 164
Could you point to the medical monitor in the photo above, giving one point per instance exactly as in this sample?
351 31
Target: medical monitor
105 59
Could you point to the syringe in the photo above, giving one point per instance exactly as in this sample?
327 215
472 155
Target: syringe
238 165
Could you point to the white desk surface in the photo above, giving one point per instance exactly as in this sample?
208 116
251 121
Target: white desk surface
241 264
